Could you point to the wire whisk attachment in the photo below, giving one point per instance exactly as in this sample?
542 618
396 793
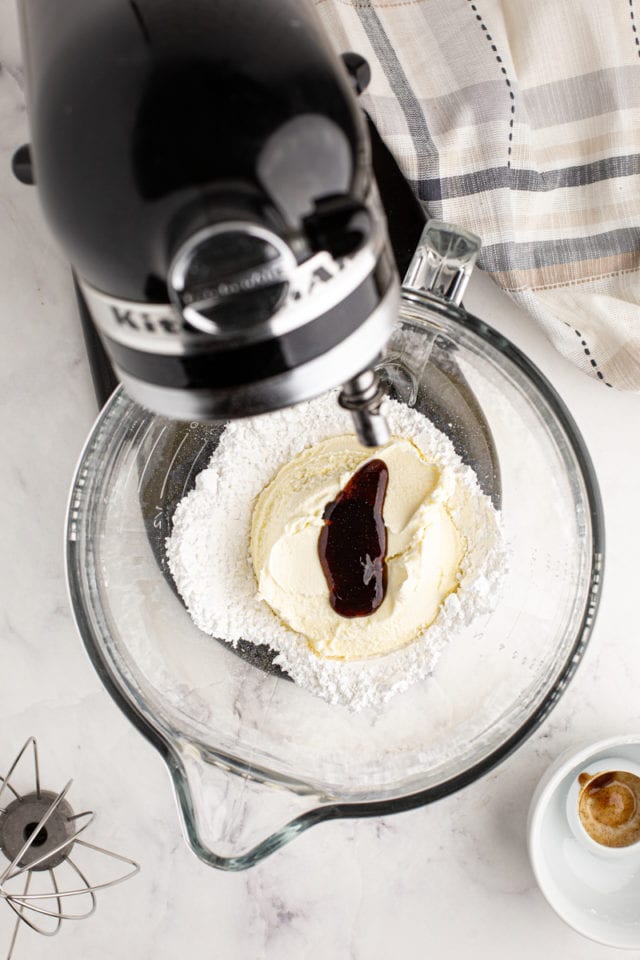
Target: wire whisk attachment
38 834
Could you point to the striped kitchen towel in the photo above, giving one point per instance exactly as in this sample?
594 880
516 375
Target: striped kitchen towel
520 121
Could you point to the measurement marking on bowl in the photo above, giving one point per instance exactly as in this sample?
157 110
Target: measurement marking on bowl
195 460
148 460
173 460
132 447
134 461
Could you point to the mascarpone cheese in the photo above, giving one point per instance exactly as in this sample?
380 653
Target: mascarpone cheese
424 549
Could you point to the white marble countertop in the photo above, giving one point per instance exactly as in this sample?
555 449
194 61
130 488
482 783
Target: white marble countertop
452 879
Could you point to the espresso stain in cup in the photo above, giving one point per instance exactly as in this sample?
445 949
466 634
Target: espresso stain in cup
609 807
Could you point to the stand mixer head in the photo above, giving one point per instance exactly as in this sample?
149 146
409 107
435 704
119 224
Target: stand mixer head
206 169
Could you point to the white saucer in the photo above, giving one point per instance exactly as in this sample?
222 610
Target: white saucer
596 891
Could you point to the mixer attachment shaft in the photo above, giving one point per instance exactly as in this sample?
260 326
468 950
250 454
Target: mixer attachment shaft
363 396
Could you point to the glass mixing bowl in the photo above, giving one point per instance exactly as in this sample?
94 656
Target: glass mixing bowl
247 749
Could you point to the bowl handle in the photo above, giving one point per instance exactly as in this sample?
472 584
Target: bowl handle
225 811
440 268
443 262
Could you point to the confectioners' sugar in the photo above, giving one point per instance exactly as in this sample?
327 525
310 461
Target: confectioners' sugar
208 551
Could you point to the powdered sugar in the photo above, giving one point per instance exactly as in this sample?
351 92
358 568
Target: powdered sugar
208 551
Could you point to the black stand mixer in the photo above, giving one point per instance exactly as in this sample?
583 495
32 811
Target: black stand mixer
207 170
221 197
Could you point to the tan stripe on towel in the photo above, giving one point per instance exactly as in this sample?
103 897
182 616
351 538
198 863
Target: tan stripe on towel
566 274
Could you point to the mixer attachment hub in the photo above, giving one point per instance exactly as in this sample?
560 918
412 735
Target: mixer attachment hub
21 819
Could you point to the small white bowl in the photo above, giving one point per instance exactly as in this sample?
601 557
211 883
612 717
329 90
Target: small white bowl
595 889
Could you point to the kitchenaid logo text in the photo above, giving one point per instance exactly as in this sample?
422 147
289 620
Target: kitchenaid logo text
321 274
144 320
165 321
